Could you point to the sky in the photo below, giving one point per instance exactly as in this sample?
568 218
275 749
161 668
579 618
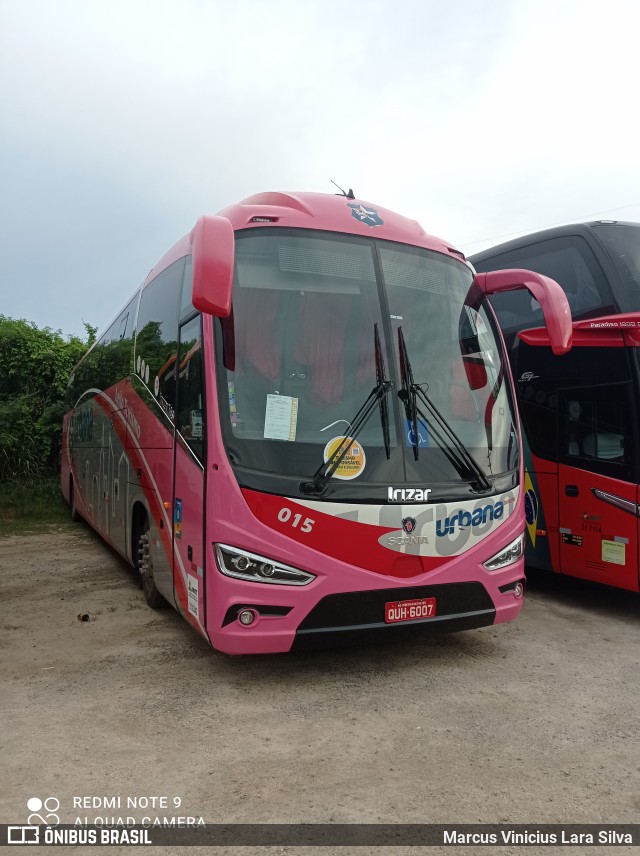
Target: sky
122 122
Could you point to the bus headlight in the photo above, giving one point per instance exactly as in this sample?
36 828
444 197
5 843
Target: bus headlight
507 556
258 569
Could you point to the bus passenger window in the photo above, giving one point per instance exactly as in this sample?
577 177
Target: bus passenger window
157 328
186 307
570 261
123 327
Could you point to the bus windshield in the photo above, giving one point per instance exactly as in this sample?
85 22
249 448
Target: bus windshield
298 358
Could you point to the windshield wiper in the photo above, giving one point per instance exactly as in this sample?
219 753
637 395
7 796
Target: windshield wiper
385 385
378 395
459 456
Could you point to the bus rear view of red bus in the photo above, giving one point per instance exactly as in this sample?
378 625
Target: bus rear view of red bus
301 429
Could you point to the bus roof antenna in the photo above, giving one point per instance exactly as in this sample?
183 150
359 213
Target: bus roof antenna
349 195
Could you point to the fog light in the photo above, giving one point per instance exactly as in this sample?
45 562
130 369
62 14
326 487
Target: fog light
518 590
246 617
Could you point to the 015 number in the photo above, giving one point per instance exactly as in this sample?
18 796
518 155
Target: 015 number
285 515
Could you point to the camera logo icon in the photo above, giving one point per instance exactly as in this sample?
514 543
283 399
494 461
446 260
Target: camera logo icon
43 812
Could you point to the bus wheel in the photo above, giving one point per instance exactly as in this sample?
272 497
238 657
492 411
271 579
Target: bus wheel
145 566
72 501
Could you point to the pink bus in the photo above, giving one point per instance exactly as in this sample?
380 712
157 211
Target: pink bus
301 429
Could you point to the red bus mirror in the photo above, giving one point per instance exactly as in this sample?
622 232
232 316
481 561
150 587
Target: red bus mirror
213 249
552 299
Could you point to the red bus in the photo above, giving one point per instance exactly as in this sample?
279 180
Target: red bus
579 411
301 429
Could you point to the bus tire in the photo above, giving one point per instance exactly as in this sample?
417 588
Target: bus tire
72 502
144 565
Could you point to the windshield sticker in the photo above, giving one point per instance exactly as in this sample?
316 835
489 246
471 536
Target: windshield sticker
232 402
196 424
281 418
353 463
409 435
365 215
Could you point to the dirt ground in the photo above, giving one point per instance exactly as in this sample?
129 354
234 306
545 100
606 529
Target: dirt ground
533 722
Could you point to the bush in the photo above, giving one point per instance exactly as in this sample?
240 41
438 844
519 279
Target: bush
34 369
31 500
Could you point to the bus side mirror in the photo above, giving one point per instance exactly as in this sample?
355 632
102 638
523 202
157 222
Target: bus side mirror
213 252
552 299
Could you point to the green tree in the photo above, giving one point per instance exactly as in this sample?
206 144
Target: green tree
34 369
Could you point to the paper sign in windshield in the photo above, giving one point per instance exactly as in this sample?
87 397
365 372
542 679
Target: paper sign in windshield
281 417
352 465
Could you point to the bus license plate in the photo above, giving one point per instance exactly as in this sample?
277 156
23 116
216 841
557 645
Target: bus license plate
409 610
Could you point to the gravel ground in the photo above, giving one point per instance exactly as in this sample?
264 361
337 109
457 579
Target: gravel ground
533 722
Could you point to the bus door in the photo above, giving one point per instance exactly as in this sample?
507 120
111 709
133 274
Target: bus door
536 385
597 490
188 494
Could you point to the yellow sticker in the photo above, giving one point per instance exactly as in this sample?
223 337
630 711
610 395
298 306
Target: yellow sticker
613 552
352 465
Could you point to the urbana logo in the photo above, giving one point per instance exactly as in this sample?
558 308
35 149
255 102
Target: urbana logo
408 494
464 519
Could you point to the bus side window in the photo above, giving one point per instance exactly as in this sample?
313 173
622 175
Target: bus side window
190 418
156 337
186 306
114 356
122 344
598 428
122 327
571 262
536 384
